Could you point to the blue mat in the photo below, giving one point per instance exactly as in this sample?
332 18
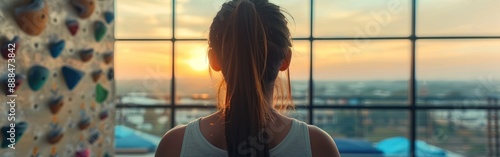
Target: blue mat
356 147
399 146
127 138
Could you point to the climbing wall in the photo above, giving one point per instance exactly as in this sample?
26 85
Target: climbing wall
56 75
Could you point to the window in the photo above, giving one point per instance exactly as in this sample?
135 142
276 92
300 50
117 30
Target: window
425 71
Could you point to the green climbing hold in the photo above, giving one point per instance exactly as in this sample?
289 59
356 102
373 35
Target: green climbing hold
100 30
101 93
37 76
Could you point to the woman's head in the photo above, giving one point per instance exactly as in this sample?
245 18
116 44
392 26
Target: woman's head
269 38
249 43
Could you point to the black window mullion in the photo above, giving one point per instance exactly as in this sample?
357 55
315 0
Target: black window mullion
172 80
311 83
412 92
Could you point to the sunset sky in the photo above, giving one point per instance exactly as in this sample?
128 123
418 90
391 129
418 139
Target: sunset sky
333 60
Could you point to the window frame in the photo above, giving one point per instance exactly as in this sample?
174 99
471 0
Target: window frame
412 108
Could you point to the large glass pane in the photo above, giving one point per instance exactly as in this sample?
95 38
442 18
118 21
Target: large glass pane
372 73
457 132
143 19
298 15
143 71
299 71
184 116
299 114
364 127
193 18
458 72
194 86
361 18
147 124
458 18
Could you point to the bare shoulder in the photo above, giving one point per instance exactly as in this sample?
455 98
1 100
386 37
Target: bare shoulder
322 144
171 143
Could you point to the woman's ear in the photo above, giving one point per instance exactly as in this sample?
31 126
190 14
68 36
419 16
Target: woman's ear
286 62
212 59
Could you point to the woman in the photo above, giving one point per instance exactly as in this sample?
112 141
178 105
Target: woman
249 44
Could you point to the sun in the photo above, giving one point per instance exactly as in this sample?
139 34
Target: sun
198 60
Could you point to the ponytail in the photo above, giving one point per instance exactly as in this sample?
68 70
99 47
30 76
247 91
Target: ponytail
245 46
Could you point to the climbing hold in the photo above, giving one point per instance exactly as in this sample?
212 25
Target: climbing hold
106 155
84 8
7 86
96 75
32 18
109 16
55 135
86 54
94 136
111 74
15 130
104 114
101 93
108 57
56 48
99 30
84 122
10 47
82 153
55 104
72 26
72 76
37 76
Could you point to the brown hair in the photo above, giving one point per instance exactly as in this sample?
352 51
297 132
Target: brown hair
251 40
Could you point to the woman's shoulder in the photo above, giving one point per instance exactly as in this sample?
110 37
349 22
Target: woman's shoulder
171 143
322 143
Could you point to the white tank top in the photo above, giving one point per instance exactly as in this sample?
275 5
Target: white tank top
295 144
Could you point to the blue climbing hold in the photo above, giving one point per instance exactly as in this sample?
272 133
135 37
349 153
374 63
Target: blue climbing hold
72 76
15 130
100 30
109 16
101 93
86 54
94 136
37 76
106 155
111 74
56 48
10 47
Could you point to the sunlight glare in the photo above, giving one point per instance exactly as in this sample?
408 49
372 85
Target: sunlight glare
198 60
